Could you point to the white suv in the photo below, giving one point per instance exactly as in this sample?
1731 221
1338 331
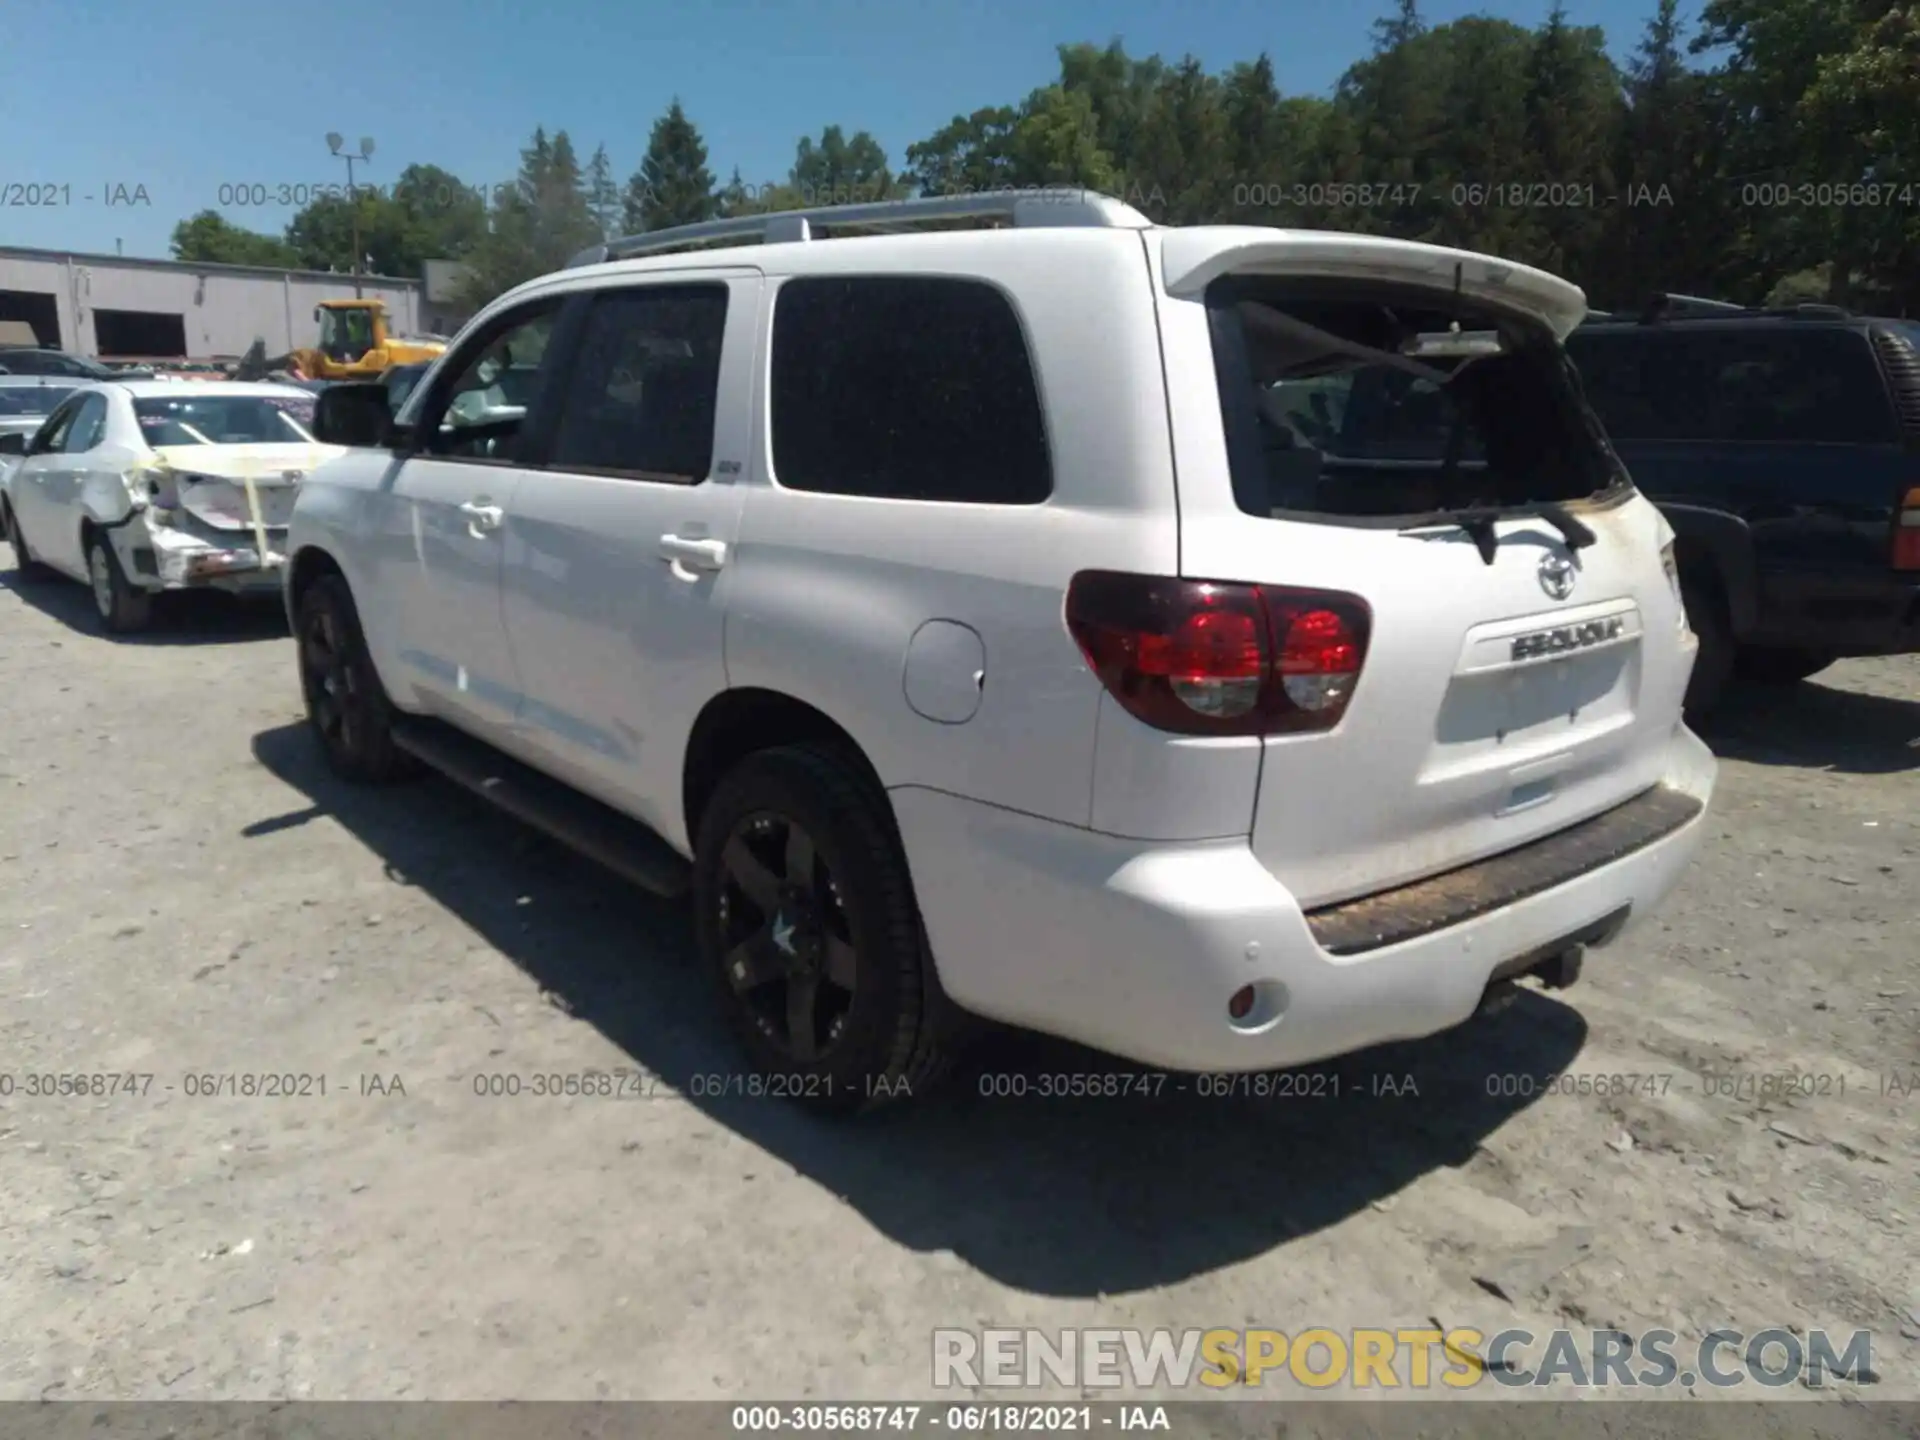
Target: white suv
1224 647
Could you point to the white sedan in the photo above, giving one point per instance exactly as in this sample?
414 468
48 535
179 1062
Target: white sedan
141 486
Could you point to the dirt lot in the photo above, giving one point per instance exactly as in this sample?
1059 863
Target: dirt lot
184 893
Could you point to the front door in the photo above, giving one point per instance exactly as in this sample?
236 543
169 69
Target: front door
617 548
441 524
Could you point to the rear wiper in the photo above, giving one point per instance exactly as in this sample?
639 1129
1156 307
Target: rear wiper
1576 535
1479 525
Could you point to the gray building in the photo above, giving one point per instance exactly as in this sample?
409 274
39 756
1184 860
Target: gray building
114 305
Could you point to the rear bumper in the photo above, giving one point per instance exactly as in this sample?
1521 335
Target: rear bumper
1135 947
1850 612
157 557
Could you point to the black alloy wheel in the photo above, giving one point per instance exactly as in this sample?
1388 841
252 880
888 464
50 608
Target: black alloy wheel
788 943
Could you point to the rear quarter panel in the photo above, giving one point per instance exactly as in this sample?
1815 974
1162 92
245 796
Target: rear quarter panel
829 590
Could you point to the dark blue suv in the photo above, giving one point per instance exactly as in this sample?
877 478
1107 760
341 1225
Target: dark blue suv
1784 448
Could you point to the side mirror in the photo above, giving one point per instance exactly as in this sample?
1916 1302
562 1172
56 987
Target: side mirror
356 414
13 444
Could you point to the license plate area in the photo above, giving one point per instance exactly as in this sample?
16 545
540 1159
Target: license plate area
1536 685
226 508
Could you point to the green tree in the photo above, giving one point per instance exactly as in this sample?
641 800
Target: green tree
603 194
441 217
1673 219
840 171
1485 139
1395 100
673 185
536 225
211 239
967 155
1574 112
1182 159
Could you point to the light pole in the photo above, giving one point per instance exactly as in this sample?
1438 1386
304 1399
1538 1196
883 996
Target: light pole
334 142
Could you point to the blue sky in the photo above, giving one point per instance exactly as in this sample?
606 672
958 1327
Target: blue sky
133 114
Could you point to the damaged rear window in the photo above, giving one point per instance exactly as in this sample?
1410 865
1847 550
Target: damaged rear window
1378 402
225 420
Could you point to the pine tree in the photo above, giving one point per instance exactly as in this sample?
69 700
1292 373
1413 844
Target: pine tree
673 185
603 193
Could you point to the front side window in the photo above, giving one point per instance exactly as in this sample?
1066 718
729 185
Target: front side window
905 388
345 335
221 420
492 387
642 397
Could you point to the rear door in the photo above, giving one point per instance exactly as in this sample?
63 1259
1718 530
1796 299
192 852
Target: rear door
1514 682
39 468
79 452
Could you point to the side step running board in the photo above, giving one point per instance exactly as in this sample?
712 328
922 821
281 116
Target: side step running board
599 832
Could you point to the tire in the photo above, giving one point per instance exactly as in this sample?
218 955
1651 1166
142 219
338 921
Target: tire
852 935
1780 666
123 608
1707 618
347 706
24 563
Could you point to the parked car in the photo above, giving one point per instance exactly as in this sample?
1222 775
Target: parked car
958 617
38 360
27 400
147 486
1784 448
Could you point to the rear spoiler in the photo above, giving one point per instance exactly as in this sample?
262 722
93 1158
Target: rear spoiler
1192 259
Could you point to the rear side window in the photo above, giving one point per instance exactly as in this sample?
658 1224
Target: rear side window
641 399
1774 385
1377 403
905 388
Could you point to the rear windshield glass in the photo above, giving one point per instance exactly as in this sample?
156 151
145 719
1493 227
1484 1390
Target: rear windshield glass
226 420
31 399
1372 404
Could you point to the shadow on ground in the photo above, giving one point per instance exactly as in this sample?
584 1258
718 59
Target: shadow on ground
179 618
1816 726
1055 1196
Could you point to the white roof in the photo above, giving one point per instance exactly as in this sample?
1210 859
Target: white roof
209 390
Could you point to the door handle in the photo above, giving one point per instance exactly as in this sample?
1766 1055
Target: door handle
696 554
481 516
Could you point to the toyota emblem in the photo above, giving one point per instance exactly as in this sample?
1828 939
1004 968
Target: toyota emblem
1557 576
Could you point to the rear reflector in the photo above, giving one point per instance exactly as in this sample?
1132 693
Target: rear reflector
1906 532
1200 657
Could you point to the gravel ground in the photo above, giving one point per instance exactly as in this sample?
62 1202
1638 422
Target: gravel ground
184 892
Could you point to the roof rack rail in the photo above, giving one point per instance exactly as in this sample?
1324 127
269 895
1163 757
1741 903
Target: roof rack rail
1662 308
1665 306
1062 205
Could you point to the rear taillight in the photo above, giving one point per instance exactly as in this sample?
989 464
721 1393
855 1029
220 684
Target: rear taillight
1906 532
1200 657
